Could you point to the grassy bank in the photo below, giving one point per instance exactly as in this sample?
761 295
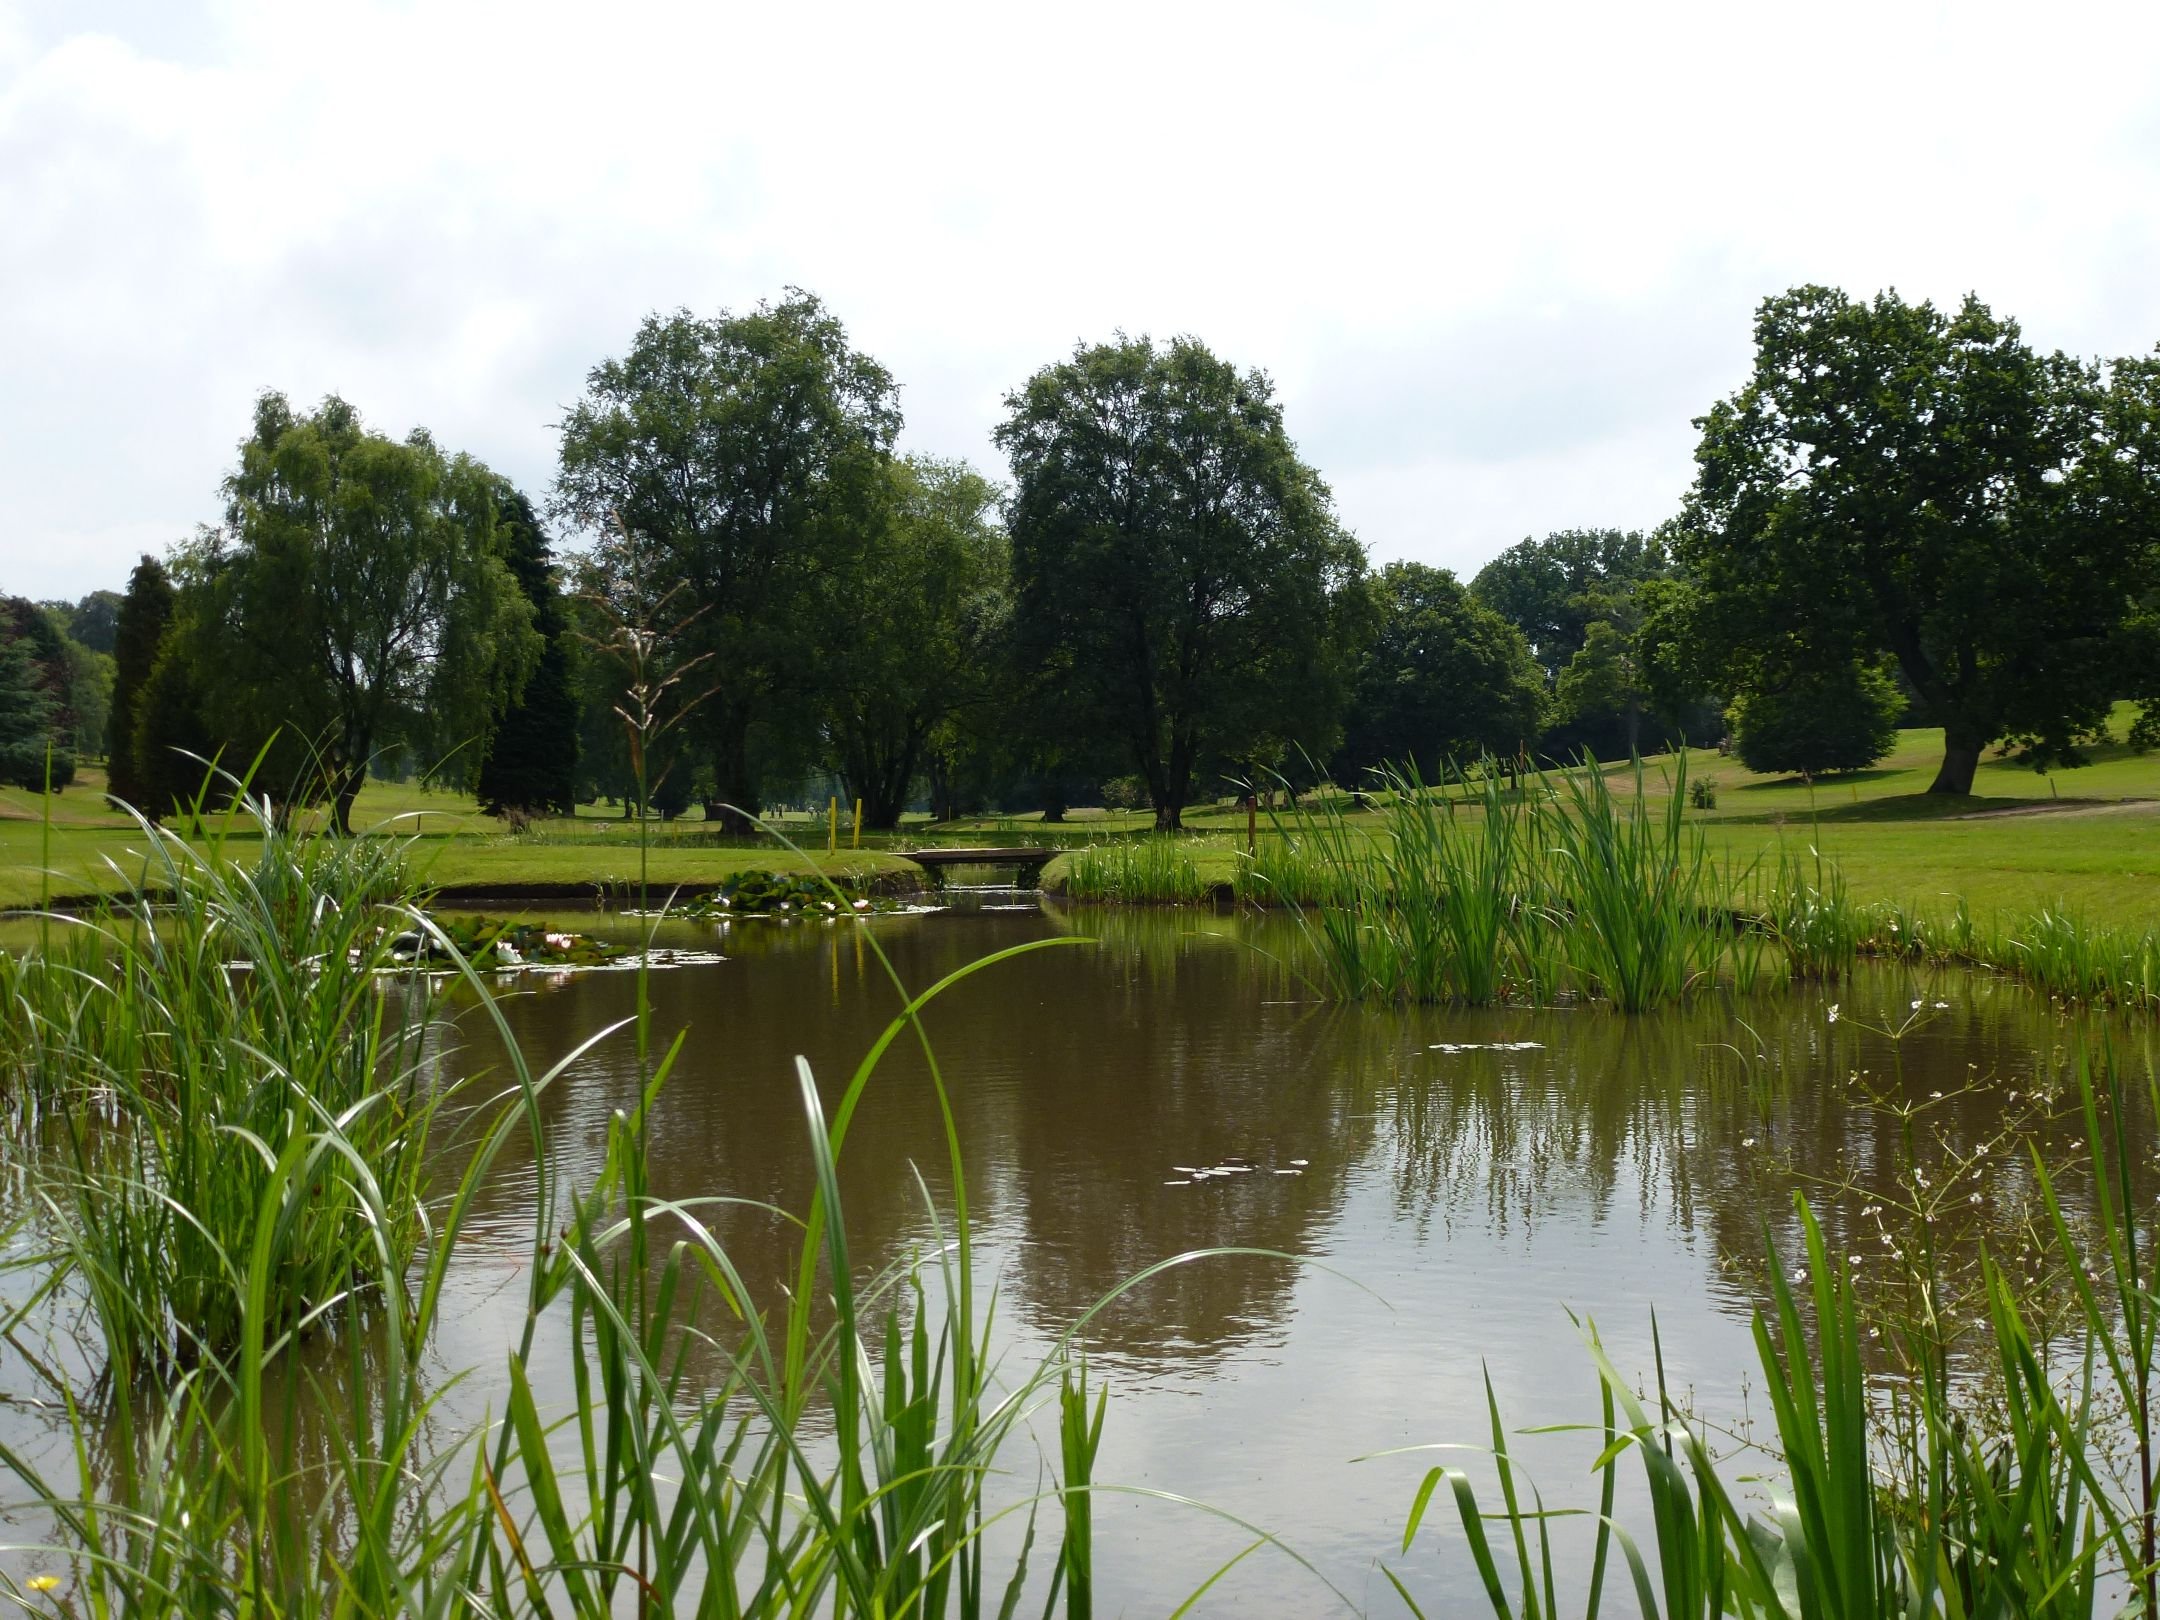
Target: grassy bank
2083 841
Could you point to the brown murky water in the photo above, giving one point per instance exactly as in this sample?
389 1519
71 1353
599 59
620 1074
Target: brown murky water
1447 1186
1462 1182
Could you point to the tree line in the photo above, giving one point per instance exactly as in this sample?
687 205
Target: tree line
1904 514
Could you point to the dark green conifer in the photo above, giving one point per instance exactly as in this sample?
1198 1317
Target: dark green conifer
26 714
44 649
531 760
139 633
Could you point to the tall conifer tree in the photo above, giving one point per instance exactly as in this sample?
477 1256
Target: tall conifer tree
145 615
531 762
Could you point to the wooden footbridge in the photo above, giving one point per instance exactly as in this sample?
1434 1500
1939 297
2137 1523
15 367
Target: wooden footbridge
1025 858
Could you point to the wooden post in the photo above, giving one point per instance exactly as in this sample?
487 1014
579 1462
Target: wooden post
1252 826
832 825
855 838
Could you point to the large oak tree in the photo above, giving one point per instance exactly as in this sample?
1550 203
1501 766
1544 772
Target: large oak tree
1175 563
1897 479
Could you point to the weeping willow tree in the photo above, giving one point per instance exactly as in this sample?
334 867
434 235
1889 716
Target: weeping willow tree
356 599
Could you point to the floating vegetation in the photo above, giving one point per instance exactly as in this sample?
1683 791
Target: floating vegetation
499 942
784 894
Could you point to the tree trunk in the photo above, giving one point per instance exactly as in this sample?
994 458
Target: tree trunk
348 789
735 803
1961 757
1169 817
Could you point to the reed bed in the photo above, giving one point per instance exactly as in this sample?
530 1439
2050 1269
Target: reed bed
1154 869
1895 1497
188 1052
1549 888
1561 887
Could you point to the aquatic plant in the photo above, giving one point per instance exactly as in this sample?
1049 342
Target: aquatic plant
188 1037
1154 868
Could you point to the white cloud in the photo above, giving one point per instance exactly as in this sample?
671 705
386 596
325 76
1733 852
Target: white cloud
1495 258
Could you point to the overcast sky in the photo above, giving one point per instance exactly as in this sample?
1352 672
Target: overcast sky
1495 257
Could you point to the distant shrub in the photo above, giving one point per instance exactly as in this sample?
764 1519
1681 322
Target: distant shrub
1702 793
1816 723
1125 793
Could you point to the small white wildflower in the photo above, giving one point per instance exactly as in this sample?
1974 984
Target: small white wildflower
1916 1006
1974 1199
1800 1274
1874 1333
1852 1259
1936 1095
1833 1012
1747 1141
1942 1006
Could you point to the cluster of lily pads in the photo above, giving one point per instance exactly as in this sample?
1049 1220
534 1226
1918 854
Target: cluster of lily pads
501 943
785 894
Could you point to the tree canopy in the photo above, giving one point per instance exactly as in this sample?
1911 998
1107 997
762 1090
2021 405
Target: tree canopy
357 598
1554 589
26 713
1175 563
1897 479
749 453
1443 678
924 614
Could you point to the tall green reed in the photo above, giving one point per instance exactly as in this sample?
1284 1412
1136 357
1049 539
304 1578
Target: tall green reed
1637 891
226 1003
1153 870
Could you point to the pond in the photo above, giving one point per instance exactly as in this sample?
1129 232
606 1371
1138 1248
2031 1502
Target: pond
1437 1191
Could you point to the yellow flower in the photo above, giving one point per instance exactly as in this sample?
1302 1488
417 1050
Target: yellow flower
43 1583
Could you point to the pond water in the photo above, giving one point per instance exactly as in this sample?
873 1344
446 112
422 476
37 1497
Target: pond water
1448 1186
1438 1191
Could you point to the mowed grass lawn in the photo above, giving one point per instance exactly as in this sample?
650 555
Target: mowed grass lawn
454 846
2087 839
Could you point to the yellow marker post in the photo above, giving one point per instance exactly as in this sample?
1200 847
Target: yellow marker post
855 839
832 825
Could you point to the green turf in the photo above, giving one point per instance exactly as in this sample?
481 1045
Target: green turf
2087 838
